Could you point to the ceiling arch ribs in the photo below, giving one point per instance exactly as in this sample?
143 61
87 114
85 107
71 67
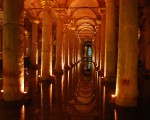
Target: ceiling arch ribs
85 29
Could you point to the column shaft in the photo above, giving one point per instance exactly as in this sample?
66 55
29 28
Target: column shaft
34 47
59 42
46 55
110 44
126 87
102 47
66 47
13 54
147 44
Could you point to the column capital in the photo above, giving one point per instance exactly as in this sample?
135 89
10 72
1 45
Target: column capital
47 3
60 13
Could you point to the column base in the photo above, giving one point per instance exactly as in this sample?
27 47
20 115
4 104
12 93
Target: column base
58 72
67 67
46 79
34 67
13 103
125 102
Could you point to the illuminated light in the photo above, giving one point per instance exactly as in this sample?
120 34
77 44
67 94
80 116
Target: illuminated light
62 88
39 75
115 115
22 84
102 77
113 96
2 91
51 95
22 113
25 92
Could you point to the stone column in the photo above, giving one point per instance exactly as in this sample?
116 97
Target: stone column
34 43
93 50
66 48
73 46
102 46
77 48
26 42
126 86
69 65
47 43
59 39
110 44
13 54
45 99
70 48
98 47
147 41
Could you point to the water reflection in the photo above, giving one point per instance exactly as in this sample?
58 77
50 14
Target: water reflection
76 95
45 99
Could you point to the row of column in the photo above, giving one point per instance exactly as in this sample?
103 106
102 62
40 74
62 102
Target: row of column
118 59
13 48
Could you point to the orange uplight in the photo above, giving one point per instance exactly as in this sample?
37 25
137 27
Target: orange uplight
113 96
25 92
39 75
2 91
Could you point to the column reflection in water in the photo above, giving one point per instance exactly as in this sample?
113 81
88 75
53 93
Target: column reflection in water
75 80
66 90
108 112
33 81
62 89
22 116
45 99
15 112
58 91
122 113
70 85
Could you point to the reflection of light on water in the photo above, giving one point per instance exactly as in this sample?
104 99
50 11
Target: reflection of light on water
62 88
36 80
22 113
68 77
104 95
41 95
51 86
115 115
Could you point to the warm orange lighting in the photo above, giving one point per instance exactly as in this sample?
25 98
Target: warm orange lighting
23 112
22 83
25 92
102 77
51 95
2 91
113 96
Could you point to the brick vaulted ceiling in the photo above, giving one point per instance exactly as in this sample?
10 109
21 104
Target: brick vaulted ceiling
84 16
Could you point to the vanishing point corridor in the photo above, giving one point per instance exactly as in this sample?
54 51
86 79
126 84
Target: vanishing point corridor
74 59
